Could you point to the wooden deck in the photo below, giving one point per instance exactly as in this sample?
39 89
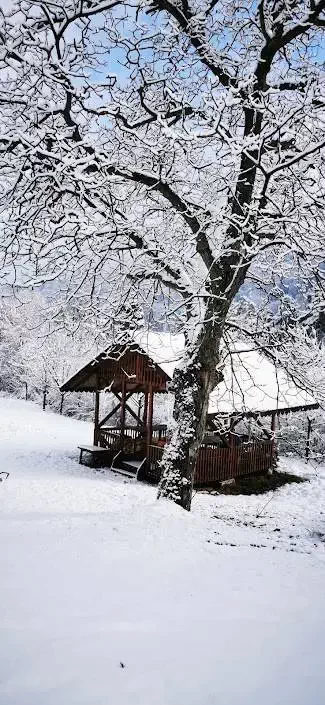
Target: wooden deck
214 464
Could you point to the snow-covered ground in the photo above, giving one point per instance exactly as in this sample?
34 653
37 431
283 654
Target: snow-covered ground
110 598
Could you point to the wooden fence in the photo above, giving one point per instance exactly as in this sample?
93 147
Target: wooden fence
214 465
134 439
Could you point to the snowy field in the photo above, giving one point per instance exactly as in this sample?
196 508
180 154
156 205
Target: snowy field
110 598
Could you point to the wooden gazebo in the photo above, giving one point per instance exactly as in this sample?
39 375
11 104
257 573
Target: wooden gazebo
125 370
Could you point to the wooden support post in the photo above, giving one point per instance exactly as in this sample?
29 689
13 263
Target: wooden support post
140 403
274 449
145 408
122 412
96 419
61 403
307 449
150 416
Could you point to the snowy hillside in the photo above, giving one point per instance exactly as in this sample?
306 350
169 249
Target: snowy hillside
108 597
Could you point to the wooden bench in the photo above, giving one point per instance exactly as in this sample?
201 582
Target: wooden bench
98 454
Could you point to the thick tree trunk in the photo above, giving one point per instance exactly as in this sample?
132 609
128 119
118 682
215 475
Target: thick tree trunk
192 385
194 382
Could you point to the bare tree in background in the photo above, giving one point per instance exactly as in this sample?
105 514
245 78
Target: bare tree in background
169 147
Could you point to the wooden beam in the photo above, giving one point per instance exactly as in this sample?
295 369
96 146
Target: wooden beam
96 418
135 416
111 413
128 408
108 416
122 414
307 449
150 416
145 408
274 448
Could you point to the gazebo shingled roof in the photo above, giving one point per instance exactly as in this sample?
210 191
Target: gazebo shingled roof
128 363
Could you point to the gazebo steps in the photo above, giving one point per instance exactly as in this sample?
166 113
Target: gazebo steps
129 467
132 465
126 473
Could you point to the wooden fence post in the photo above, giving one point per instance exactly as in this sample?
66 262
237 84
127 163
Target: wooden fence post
274 458
123 412
96 419
307 449
150 416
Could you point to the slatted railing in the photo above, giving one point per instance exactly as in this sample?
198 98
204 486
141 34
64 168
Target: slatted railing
135 437
217 464
153 469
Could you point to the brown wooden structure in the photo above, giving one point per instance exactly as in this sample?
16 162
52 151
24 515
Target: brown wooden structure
215 464
137 449
123 370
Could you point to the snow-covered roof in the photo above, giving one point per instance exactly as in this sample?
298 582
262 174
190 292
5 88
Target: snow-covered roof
252 383
164 348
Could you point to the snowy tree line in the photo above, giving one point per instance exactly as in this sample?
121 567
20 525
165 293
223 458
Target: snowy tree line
38 354
35 360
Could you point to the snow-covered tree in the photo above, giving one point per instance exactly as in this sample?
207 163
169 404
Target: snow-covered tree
165 148
11 344
37 357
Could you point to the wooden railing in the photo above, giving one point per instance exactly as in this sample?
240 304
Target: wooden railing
134 438
132 441
153 469
214 464
158 433
218 464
